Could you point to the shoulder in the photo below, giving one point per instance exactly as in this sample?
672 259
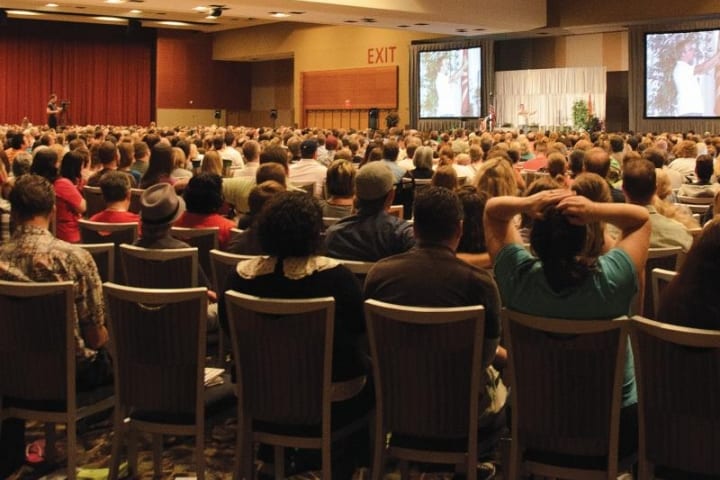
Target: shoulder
616 262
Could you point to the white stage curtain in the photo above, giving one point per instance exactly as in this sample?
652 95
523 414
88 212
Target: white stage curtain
550 94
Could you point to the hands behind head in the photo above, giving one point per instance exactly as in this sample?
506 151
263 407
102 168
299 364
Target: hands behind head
577 209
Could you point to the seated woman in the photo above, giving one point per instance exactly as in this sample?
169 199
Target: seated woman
247 243
289 229
203 198
690 299
472 242
340 185
561 282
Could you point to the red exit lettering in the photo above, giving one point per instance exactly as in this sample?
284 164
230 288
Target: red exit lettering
381 55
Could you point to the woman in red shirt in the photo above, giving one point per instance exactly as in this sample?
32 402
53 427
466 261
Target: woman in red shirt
203 199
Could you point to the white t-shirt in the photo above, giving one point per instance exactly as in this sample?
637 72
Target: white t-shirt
689 95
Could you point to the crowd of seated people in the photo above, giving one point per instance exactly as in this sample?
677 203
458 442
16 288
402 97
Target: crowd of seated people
588 205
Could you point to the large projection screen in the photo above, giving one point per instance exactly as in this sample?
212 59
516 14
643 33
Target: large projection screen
450 83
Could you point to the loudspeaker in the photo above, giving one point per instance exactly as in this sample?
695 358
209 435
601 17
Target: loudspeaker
273 114
133 28
373 115
218 114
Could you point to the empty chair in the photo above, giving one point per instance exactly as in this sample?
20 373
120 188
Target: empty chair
95 200
37 362
160 268
567 382
159 353
205 239
427 365
284 358
104 256
679 425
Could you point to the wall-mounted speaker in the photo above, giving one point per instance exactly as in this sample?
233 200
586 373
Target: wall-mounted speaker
373 115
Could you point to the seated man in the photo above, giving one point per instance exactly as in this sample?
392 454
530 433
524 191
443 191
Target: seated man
34 255
115 187
430 275
160 207
639 185
372 233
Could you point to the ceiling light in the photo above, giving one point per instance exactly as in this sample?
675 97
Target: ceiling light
201 9
279 14
109 19
135 11
26 13
52 5
114 1
171 23
215 12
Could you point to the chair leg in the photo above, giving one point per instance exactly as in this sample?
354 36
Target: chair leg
71 449
117 443
50 442
200 452
132 442
279 462
378 458
327 459
157 440
244 451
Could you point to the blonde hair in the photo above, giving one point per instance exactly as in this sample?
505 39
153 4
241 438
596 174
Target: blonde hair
495 177
675 212
179 158
211 163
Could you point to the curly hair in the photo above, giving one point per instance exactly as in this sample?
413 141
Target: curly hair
290 224
204 193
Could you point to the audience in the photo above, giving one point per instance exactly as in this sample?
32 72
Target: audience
309 169
115 188
340 186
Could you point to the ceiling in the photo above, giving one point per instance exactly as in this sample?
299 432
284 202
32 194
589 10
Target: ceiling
445 17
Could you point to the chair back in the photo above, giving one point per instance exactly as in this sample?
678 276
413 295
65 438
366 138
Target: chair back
135 195
222 264
679 424
659 278
283 356
687 200
205 239
102 232
566 382
427 368
159 268
158 347
37 344
104 256
94 199
666 258
357 267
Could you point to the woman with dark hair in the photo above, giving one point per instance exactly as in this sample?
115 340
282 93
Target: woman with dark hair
69 203
289 229
247 243
472 242
690 300
563 282
160 167
203 200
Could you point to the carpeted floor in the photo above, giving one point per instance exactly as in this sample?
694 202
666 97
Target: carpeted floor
94 443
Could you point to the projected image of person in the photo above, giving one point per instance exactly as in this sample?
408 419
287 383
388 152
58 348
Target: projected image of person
690 101
447 85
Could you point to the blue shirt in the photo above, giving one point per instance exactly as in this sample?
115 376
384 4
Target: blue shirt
606 293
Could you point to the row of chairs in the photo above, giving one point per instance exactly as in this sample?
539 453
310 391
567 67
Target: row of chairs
96 202
566 378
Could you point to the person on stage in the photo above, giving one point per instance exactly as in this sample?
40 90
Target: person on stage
689 101
523 117
53 111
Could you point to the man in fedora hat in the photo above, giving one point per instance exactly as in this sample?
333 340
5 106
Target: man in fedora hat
160 207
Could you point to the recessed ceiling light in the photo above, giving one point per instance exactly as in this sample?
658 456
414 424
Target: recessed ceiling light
27 13
403 26
110 19
297 13
114 1
51 5
368 20
279 14
461 30
479 29
421 24
350 21
201 9
135 11
171 23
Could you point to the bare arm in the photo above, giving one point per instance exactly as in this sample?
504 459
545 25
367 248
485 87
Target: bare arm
632 220
500 211
711 62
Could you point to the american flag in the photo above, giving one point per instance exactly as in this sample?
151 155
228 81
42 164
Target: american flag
465 85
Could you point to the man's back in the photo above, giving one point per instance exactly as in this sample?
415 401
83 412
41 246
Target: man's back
368 238
667 232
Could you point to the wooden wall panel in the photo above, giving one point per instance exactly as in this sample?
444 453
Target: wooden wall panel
357 88
344 118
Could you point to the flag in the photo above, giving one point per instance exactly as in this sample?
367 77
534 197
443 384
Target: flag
590 106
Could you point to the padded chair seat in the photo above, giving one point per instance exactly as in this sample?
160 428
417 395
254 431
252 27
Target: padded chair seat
217 398
83 400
